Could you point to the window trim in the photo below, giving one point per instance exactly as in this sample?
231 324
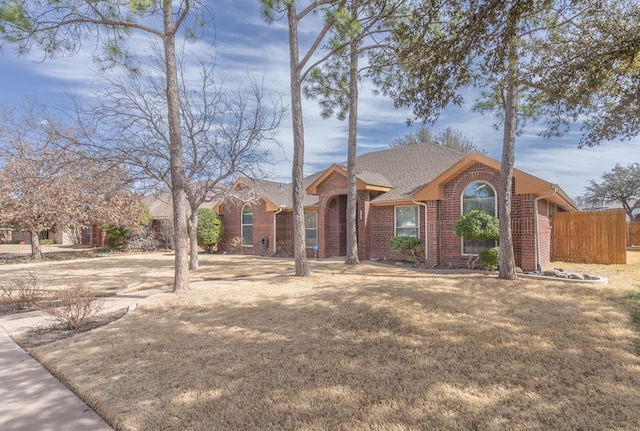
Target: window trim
243 224
495 208
315 228
395 220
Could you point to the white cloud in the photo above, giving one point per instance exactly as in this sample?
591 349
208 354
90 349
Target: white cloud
246 45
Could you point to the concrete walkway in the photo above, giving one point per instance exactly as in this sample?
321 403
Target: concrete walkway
30 397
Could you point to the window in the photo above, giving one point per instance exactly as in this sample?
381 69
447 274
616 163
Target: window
247 226
407 221
478 195
310 228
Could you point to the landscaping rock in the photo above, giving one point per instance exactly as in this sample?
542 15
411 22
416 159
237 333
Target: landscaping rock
574 276
519 270
552 273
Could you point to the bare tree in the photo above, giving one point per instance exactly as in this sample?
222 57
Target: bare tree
223 131
448 137
61 27
44 186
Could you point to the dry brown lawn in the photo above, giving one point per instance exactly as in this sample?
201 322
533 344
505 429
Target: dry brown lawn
370 347
110 273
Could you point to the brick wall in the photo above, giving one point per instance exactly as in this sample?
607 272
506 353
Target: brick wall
382 229
445 214
450 211
376 226
545 211
262 226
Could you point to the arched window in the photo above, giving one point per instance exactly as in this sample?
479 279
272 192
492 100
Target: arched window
247 226
478 195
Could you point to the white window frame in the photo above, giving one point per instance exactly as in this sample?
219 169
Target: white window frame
495 208
306 240
395 221
243 224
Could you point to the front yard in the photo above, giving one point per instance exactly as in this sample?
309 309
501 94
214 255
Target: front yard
370 347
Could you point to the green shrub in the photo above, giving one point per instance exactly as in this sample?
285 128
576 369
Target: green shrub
209 229
477 226
46 242
115 236
409 246
490 258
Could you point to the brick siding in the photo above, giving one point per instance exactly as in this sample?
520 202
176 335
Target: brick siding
377 225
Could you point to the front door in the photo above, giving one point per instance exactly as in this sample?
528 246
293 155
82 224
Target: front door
336 226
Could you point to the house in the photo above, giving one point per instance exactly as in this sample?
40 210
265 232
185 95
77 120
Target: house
89 235
160 209
414 190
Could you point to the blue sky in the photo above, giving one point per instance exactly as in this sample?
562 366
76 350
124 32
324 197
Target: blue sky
245 44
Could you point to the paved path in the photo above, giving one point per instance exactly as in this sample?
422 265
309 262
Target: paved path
31 399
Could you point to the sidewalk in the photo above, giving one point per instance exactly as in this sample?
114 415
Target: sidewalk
32 399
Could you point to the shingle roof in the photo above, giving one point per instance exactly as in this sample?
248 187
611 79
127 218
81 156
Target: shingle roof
159 206
373 178
281 194
406 168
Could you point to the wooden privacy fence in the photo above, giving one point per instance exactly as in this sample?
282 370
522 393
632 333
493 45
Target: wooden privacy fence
633 233
590 237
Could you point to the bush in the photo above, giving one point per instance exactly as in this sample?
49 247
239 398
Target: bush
233 245
25 294
46 242
73 306
115 237
477 226
490 258
209 230
284 248
144 239
409 246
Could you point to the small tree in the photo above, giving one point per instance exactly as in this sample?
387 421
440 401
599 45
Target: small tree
477 226
209 229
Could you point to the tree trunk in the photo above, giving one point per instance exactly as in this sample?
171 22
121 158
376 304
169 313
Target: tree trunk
352 192
193 239
507 261
297 172
181 274
36 251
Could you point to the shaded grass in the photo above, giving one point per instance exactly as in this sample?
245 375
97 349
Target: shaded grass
112 273
363 348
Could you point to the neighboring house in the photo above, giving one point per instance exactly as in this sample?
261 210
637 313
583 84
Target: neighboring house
160 208
90 235
414 190
161 214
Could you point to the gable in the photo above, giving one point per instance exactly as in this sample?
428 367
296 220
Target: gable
524 183
364 180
